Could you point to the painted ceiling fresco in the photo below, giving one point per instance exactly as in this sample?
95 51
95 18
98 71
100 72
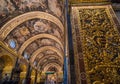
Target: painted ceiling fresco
34 27
12 8
39 40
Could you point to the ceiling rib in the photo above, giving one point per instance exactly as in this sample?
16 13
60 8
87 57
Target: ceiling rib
34 55
26 43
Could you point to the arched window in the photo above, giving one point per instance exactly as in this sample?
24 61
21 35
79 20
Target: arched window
26 55
12 43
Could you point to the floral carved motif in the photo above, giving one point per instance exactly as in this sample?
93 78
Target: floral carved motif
99 44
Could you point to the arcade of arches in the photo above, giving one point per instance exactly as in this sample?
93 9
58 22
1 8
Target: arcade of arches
42 40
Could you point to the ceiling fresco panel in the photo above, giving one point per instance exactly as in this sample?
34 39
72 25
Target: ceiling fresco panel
59 68
41 43
26 43
48 56
11 8
34 55
34 27
12 24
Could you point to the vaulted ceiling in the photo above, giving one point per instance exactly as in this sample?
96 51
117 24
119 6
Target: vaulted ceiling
35 30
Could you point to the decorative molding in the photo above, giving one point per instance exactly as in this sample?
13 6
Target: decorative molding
53 64
34 55
47 56
89 2
26 43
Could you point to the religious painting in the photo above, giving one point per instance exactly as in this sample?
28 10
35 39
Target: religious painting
12 8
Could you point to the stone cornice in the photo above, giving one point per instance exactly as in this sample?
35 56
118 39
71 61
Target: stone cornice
87 1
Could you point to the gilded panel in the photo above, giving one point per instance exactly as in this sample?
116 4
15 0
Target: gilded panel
99 44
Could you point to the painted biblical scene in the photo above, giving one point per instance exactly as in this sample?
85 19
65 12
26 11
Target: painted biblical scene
11 8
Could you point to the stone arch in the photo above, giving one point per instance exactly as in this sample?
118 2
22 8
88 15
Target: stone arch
7 65
8 56
34 55
50 62
9 26
59 68
47 56
26 43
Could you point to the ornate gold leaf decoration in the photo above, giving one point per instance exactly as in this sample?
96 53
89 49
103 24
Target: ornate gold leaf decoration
100 44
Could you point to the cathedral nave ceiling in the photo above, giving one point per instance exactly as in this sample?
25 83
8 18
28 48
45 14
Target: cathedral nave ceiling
36 27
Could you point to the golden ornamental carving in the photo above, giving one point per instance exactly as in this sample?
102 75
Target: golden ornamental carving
100 44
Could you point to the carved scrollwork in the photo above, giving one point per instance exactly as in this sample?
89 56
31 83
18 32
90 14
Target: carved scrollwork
100 45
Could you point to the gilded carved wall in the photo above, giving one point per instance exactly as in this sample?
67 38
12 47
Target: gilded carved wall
98 44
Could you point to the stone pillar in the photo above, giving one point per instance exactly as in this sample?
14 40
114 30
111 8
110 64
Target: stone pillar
36 74
66 51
